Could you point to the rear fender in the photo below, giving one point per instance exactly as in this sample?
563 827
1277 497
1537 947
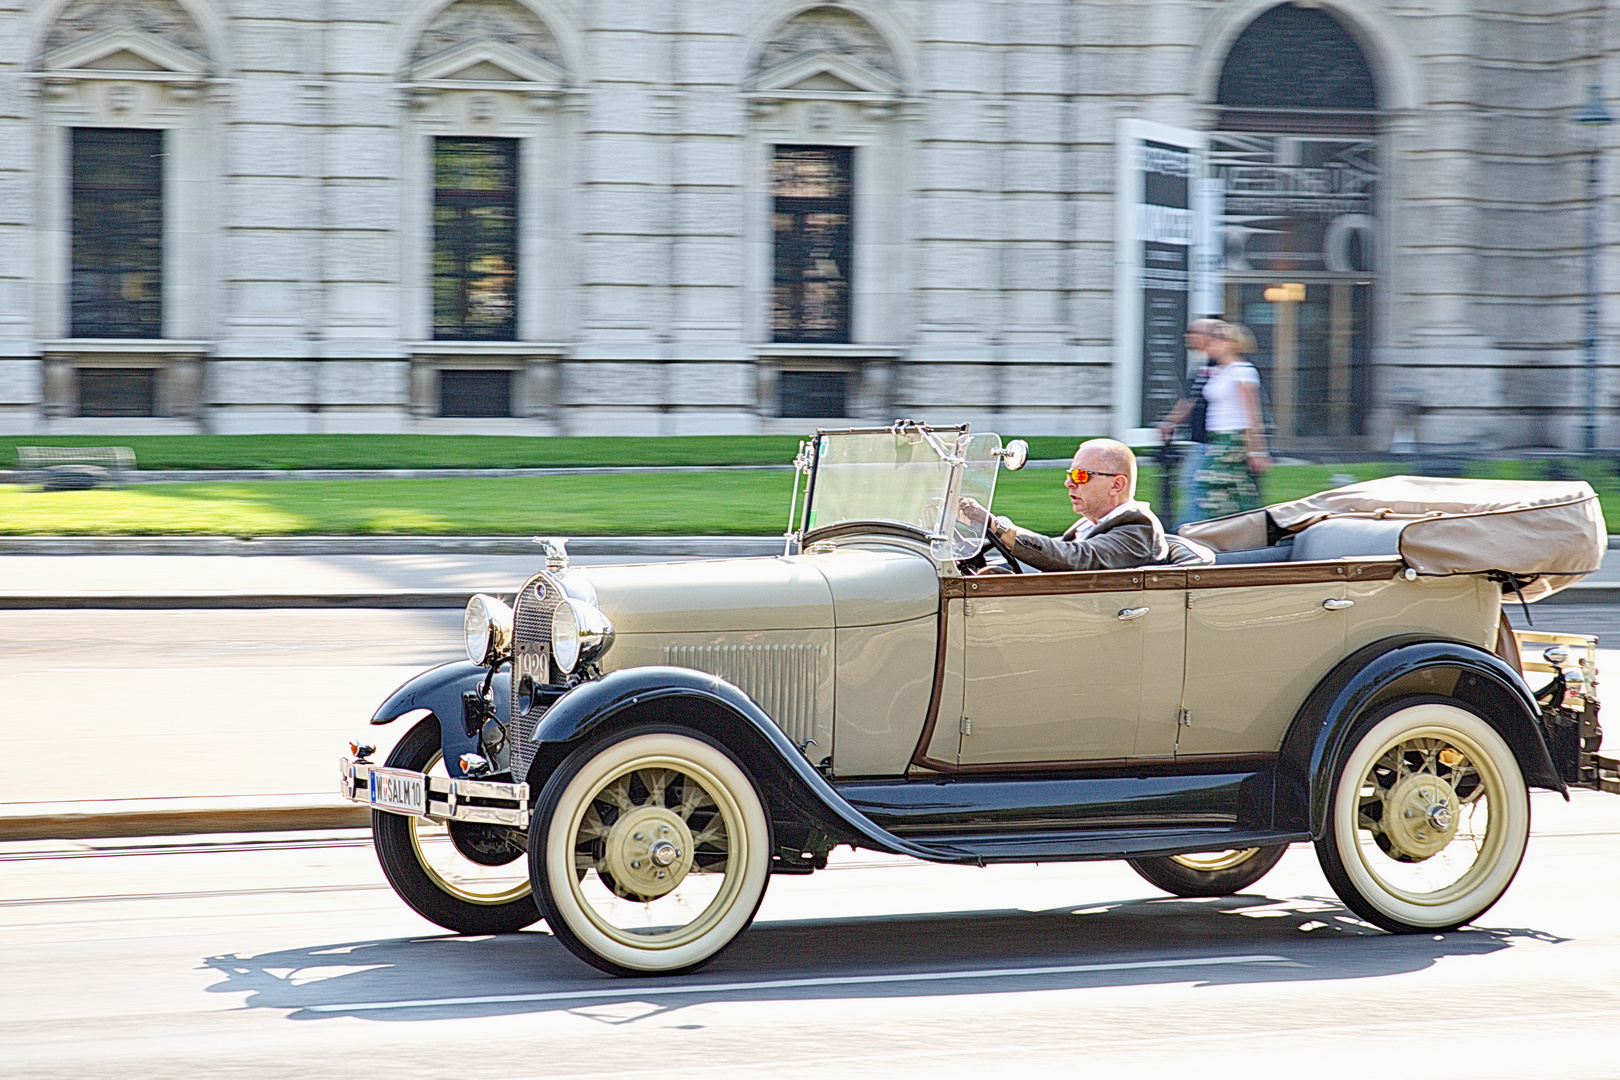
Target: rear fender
797 796
1381 672
439 690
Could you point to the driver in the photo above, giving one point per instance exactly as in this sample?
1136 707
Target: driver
1115 532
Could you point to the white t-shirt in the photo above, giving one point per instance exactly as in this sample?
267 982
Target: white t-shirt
1224 394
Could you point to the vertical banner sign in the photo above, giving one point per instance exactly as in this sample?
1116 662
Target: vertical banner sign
1158 272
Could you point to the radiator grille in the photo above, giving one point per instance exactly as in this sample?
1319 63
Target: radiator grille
531 658
781 679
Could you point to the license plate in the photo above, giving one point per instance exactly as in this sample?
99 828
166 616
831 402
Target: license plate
393 789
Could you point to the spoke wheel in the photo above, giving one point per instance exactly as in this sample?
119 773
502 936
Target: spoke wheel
1215 873
1429 819
649 852
430 868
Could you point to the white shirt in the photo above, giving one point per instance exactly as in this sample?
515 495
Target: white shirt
1224 393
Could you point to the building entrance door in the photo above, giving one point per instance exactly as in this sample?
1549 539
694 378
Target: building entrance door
1313 351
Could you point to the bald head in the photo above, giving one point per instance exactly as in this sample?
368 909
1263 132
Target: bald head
1111 481
1110 455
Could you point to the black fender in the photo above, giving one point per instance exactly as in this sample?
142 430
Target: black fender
1318 738
439 691
795 793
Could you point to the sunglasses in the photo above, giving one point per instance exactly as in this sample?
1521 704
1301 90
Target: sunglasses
1077 477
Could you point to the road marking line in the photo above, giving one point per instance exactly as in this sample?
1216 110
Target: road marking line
666 989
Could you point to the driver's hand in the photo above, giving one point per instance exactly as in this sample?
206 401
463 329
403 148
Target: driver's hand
971 512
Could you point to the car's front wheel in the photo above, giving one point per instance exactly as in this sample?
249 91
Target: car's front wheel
1428 820
649 851
1216 873
465 877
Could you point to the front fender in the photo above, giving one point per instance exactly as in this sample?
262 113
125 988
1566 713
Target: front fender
1318 737
684 697
439 691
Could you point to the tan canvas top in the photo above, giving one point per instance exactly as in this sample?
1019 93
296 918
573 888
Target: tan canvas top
1552 531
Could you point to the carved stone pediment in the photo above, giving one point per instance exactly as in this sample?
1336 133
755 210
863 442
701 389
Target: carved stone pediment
89 34
507 29
827 50
826 73
489 63
122 52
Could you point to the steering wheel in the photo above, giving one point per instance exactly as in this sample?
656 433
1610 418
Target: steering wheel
991 540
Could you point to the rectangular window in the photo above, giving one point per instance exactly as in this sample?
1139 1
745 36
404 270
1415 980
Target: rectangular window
815 393
812 188
475 393
117 245
117 391
475 239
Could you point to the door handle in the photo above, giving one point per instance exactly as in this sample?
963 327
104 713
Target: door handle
1338 605
1127 614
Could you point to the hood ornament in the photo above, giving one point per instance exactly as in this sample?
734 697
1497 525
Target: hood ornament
556 549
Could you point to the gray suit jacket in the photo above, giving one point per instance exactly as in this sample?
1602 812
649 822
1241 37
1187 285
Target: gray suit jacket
1132 537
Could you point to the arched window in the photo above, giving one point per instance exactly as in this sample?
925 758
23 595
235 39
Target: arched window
1293 62
1297 153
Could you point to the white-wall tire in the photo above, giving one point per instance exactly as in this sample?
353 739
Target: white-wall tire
595 871
1428 820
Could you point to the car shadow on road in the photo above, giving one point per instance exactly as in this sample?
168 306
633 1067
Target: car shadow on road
1238 939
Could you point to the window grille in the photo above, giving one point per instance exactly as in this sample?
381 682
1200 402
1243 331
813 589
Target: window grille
475 239
117 244
812 187
117 391
475 393
814 393
1297 69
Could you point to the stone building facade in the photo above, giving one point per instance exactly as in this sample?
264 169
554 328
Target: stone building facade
674 217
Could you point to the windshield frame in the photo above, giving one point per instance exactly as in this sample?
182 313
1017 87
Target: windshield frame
940 536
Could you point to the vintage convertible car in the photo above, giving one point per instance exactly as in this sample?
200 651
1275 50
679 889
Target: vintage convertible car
631 751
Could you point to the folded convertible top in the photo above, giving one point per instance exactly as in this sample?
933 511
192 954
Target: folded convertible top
1547 535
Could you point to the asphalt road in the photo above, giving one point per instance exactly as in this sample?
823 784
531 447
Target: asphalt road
287 956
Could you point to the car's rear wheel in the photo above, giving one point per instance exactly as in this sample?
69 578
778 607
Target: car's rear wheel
1428 819
649 851
1215 873
470 880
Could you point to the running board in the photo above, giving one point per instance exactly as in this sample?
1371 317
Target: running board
1095 844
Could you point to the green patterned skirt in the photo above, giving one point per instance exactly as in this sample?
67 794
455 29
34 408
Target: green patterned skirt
1229 487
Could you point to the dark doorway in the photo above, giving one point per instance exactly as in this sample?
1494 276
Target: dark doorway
475 393
814 393
117 391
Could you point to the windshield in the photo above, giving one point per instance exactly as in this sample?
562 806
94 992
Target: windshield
901 478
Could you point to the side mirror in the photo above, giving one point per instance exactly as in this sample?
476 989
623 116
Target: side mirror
1014 455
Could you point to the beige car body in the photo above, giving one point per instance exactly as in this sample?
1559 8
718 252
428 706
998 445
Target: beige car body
877 661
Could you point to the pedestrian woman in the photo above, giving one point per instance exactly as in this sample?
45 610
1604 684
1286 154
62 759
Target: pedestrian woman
1191 411
1235 450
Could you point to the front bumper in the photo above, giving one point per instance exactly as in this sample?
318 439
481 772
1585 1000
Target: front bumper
488 802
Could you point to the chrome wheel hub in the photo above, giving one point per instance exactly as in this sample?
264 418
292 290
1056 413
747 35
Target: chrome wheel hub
648 851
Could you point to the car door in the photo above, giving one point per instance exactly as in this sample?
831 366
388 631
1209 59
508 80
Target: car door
1052 667
1259 637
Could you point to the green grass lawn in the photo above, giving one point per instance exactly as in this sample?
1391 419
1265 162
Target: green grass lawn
743 503
446 451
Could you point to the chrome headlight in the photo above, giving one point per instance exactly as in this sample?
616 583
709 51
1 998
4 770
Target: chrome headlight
579 634
488 629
